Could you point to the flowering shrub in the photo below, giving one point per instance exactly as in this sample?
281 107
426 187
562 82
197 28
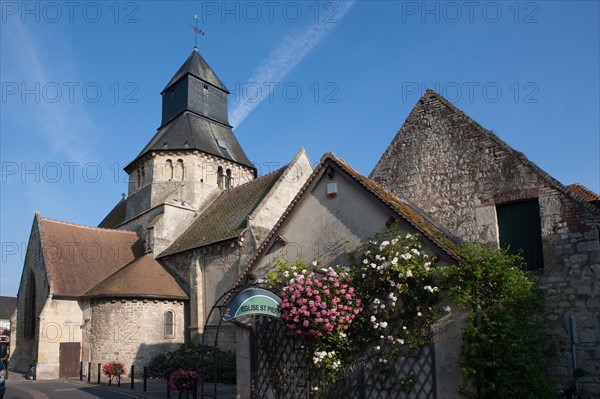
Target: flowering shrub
183 380
396 280
379 308
318 304
114 369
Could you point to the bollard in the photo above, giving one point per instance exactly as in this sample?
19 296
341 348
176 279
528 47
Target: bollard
6 371
145 377
98 373
89 371
80 371
132 375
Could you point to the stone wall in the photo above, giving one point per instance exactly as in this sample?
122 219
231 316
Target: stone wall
191 187
206 274
264 217
24 349
60 321
457 172
132 331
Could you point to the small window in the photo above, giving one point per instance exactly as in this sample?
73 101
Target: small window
220 177
520 230
228 179
169 324
179 171
168 170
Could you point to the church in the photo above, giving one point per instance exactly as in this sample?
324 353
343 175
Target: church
198 220
142 282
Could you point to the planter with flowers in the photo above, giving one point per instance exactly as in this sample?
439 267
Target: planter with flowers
183 381
114 369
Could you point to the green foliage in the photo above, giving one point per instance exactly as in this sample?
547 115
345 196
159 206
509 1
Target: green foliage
506 344
396 282
202 359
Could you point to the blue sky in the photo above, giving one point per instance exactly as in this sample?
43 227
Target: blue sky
81 83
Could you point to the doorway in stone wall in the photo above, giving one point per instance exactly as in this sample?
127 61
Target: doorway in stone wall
69 359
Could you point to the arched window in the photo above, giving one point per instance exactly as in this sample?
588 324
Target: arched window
220 177
228 179
169 324
179 171
30 318
168 170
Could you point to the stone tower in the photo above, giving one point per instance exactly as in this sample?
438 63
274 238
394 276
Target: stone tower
193 156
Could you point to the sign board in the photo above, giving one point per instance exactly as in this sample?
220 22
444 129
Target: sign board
252 301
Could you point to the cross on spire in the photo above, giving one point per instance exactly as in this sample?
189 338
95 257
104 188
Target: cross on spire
197 31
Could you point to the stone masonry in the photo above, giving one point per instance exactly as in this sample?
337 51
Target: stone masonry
458 172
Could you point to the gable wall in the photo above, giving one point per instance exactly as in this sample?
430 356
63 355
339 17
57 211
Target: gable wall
24 350
447 168
328 230
272 207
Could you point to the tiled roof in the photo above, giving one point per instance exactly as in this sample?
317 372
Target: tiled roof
584 192
142 278
8 304
405 210
227 216
116 216
79 257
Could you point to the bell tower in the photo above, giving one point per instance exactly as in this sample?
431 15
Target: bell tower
193 156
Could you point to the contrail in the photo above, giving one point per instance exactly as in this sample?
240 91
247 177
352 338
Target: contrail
282 60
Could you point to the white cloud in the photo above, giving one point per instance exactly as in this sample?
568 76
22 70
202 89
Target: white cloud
288 53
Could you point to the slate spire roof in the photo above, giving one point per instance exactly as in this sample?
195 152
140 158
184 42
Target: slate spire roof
196 66
195 115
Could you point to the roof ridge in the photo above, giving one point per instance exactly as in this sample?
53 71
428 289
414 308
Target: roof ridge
490 135
353 174
86 226
585 189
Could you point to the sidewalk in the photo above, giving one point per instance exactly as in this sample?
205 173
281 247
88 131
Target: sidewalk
155 388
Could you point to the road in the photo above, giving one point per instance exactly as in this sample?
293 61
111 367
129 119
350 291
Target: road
63 389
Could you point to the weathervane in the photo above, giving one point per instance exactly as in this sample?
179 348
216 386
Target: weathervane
197 31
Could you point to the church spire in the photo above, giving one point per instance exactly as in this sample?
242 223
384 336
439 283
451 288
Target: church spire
195 115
